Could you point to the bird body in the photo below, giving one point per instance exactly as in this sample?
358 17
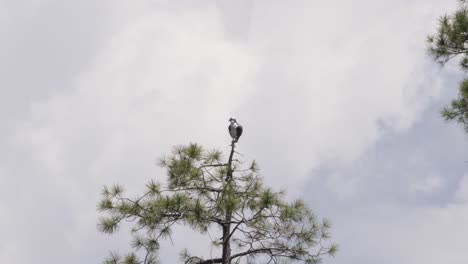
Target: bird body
235 130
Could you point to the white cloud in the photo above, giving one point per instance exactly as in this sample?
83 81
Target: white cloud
168 77
399 234
428 184
332 74
343 187
312 82
164 79
462 193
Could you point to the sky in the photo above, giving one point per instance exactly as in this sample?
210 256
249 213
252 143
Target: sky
338 99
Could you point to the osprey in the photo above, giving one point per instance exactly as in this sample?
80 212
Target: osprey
235 129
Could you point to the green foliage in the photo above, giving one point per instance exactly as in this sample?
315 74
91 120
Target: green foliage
203 192
450 41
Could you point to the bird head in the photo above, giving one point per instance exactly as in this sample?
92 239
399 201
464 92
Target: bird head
232 120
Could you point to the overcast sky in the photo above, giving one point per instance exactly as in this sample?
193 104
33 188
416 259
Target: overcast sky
338 99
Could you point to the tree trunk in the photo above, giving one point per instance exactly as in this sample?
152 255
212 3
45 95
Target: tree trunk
227 241
226 257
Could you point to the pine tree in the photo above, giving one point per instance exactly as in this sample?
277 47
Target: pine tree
450 41
206 193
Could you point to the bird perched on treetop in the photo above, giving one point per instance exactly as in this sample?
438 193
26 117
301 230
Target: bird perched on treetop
235 130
